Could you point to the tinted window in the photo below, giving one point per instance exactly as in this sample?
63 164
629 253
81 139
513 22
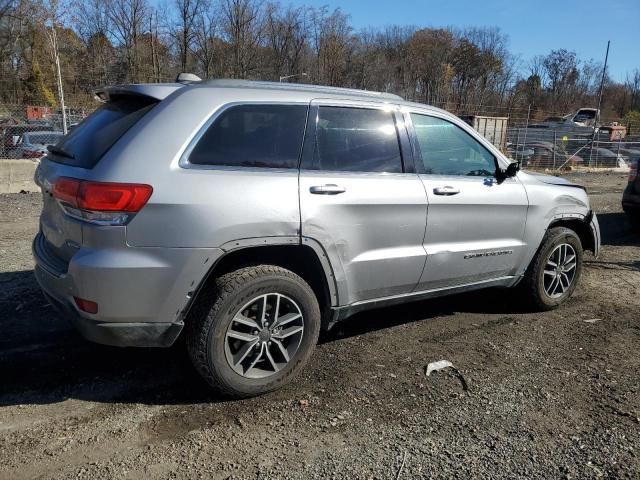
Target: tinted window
42 138
448 150
253 136
91 139
356 140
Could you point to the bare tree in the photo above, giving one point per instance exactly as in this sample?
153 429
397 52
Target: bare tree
205 42
332 44
187 14
92 24
243 27
561 67
128 19
633 86
466 70
286 36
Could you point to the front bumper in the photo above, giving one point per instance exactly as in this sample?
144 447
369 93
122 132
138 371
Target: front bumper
142 294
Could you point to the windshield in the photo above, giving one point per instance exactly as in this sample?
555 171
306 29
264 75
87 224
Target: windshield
91 139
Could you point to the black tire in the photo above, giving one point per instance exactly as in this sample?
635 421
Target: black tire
207 326
532 285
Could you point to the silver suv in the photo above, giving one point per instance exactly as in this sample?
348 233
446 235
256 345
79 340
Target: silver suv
251 215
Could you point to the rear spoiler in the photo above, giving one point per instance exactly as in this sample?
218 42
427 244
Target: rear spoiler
158 91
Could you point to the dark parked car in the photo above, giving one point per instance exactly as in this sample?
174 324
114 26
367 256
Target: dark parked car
520 153
12 134
631 195
603 157
630 153
34 144
547 155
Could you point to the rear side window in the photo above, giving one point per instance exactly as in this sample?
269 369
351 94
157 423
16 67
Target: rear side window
88 142
267 136
356 140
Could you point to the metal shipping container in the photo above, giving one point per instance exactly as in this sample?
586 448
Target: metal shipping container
493 129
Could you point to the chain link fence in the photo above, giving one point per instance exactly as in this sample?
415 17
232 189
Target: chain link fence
549 140
26 130
537 139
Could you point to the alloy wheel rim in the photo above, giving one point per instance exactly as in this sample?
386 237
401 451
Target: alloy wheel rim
560 270
264 335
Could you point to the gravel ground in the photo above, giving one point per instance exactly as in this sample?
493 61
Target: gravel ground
551 395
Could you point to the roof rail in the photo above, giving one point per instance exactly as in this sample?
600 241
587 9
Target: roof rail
236 83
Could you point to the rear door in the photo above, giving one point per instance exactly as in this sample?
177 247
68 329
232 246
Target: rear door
475 223
361 200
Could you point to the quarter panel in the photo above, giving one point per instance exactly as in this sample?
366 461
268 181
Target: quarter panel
208 208
200 207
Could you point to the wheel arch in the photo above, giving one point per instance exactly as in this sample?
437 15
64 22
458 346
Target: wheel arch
581 226
302 260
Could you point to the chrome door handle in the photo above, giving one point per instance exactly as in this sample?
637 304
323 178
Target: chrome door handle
446 190
328 189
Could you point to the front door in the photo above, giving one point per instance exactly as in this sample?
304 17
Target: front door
361 201
475 223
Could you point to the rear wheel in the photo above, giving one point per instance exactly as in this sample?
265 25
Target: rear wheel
255 332
554 271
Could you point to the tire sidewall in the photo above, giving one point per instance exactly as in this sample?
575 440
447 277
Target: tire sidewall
565 236
216 357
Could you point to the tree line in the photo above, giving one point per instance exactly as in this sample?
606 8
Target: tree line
468 70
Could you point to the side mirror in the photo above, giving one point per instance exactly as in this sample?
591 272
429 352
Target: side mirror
512 169
508 172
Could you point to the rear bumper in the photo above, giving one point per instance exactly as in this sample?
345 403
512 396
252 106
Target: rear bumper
116 334
141 293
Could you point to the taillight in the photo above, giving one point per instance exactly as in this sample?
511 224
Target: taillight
633 170
32 154
86 305
104 203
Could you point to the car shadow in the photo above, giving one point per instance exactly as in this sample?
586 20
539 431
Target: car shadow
44 360
616 229
496 301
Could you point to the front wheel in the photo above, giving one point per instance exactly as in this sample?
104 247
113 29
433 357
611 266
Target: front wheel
255 332
554 271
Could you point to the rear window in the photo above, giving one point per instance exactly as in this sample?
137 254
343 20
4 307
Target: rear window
92 138
43 138
262 136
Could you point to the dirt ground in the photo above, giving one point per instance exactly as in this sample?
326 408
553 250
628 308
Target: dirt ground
551 395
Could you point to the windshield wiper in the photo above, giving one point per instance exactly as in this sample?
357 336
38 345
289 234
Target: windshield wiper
60 151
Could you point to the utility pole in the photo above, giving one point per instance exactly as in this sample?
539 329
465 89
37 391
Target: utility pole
595 127
50 16
60 89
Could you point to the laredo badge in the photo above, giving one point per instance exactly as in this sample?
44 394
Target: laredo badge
488 254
